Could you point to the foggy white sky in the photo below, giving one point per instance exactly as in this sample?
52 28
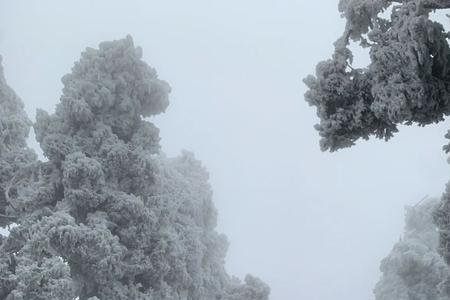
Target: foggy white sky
313 225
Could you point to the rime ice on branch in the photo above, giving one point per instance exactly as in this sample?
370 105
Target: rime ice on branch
407 80
121 221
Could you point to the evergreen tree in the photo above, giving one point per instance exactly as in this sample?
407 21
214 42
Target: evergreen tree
108 216
414 270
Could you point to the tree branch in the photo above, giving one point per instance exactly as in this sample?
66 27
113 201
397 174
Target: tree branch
6 192
8 217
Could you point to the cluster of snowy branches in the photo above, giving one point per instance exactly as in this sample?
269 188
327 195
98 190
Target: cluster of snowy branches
107 216
414 269
406 82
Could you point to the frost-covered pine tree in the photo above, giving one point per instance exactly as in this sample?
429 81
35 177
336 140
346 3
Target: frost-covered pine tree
108 216
414 270
406 82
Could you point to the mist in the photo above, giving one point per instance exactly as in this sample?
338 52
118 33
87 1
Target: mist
312 225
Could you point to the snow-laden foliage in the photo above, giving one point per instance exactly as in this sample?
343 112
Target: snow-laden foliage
407 80
15 157
414 270
442 219
108 217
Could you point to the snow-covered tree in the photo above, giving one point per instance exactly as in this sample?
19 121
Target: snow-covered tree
406 82
108 216
414 270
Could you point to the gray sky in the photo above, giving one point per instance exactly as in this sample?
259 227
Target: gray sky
313 225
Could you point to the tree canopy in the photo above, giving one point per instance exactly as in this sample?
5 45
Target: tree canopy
107 216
